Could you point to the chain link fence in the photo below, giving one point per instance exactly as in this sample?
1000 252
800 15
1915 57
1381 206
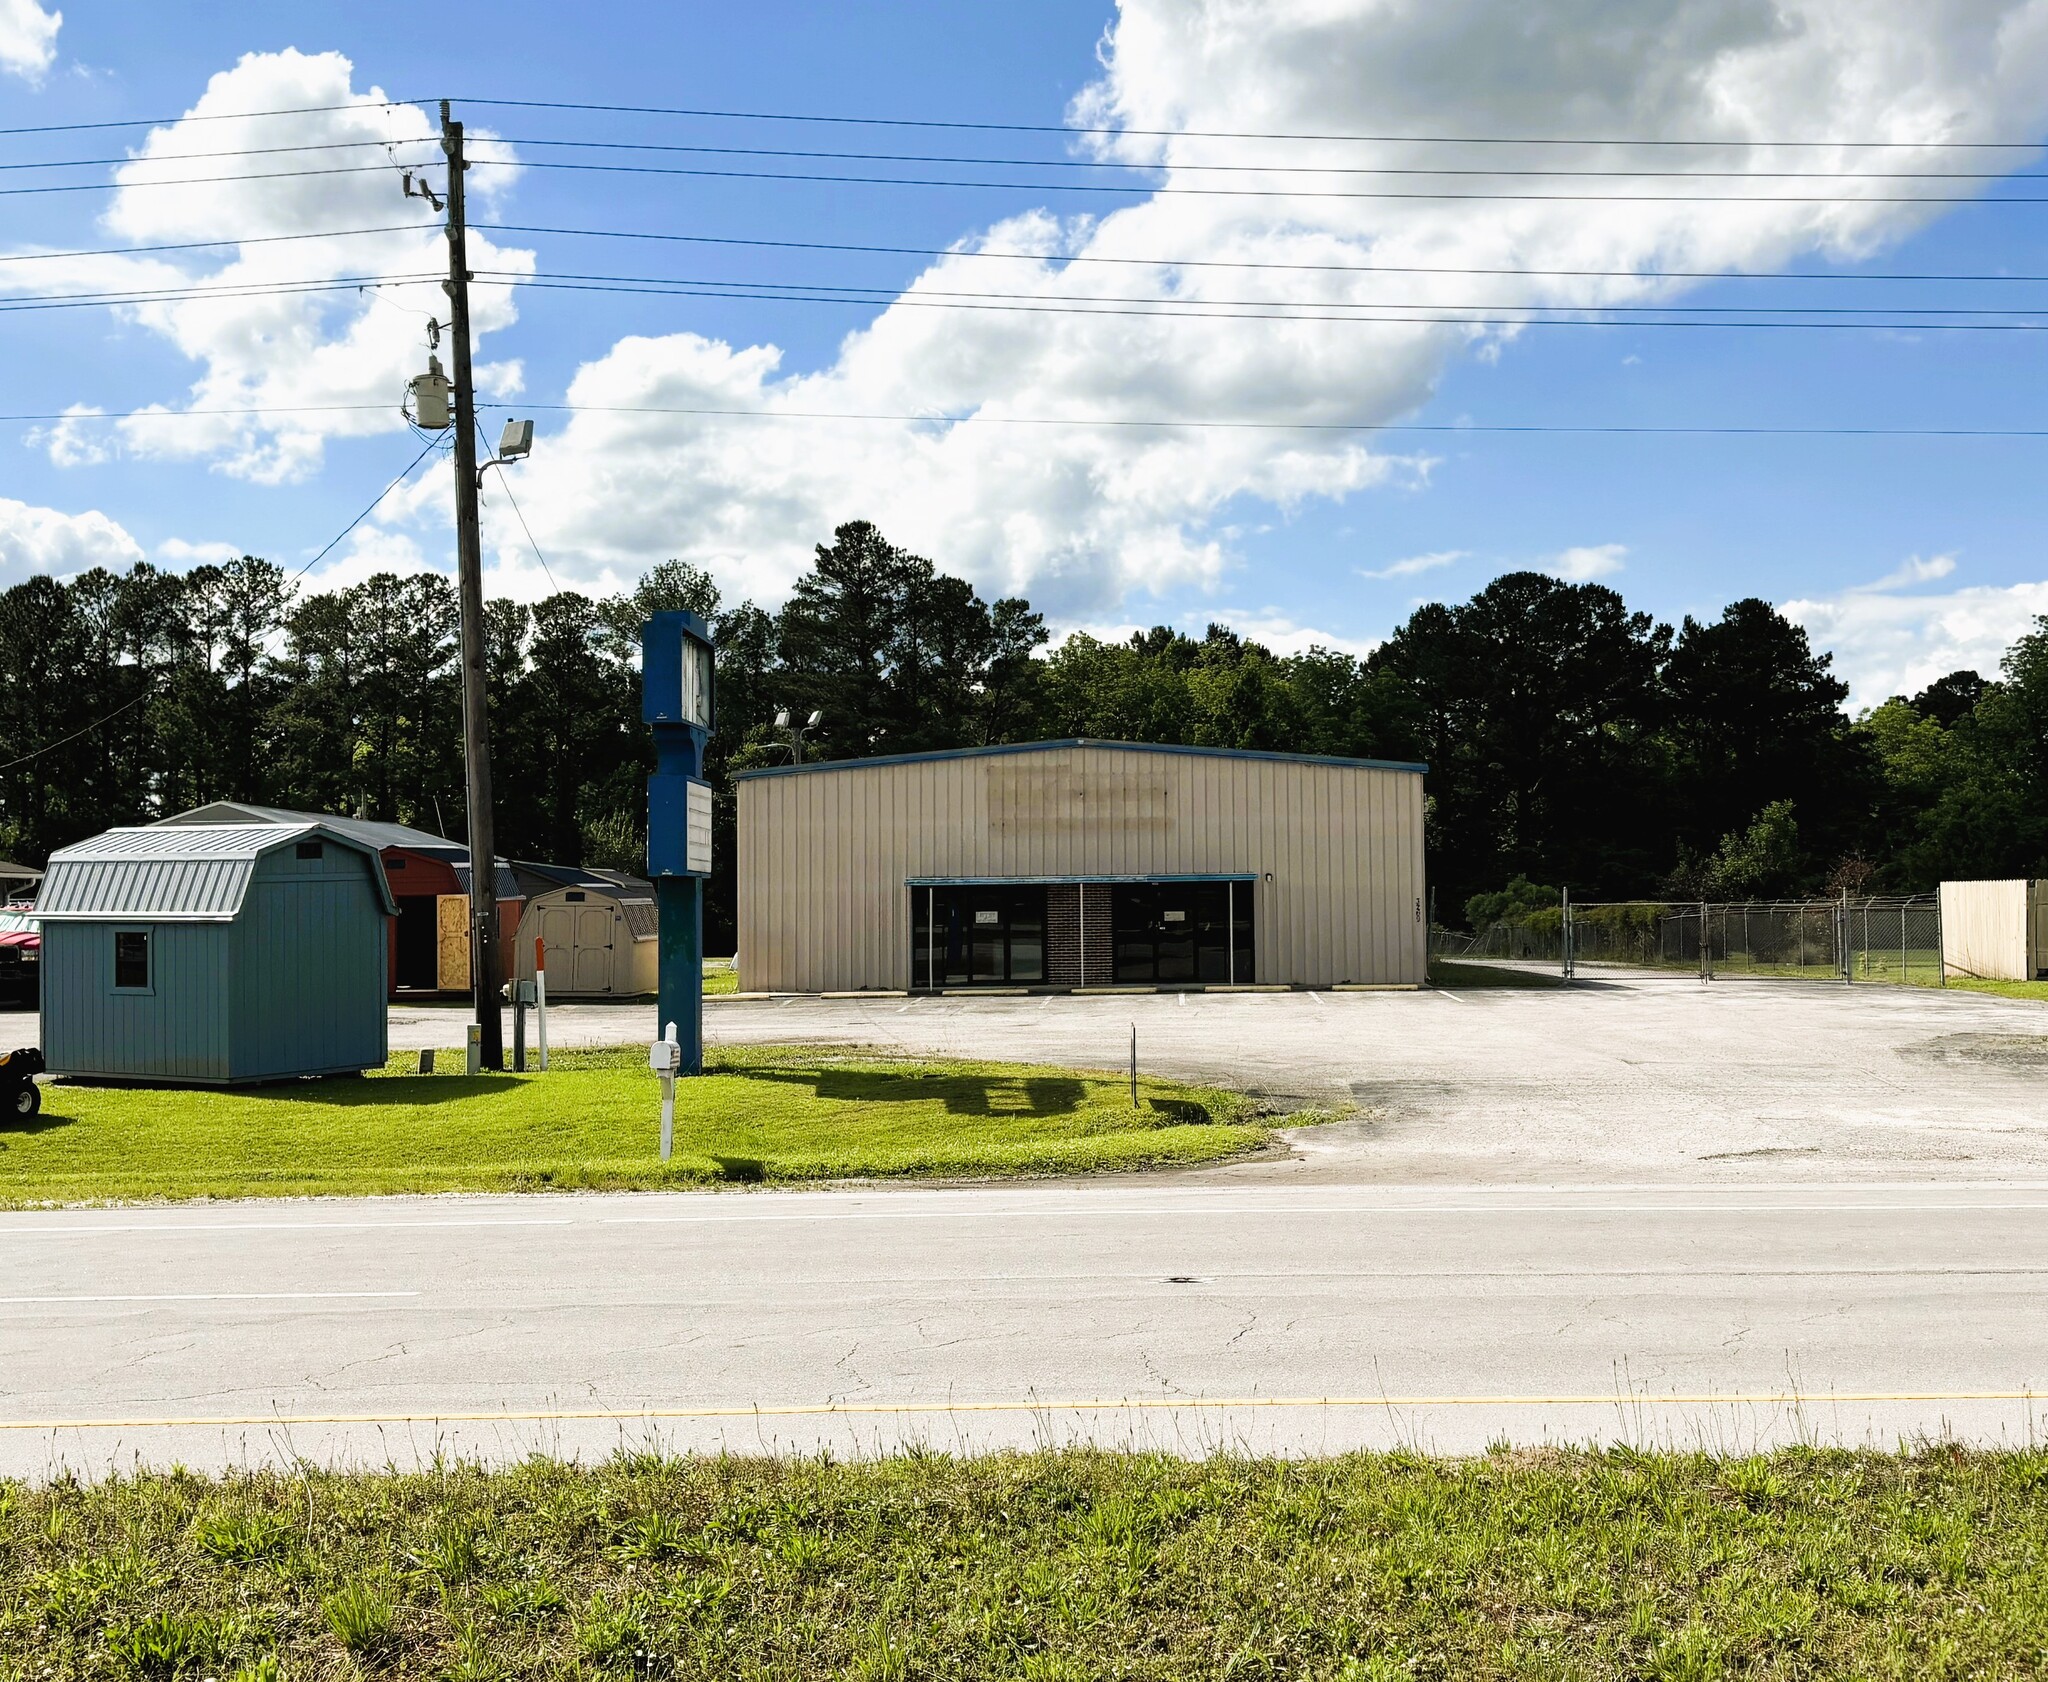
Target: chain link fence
1894 938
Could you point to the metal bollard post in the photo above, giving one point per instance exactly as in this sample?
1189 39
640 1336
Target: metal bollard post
665 1058
540 998
522 996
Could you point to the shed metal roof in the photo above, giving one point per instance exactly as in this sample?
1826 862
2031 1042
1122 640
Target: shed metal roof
194 873
634 895
367 830
1078 742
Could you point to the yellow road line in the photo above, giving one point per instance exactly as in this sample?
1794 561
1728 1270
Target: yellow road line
1094 1405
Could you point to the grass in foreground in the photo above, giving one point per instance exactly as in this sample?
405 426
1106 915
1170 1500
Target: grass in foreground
1055 1566
1447 973
592 1122
2005 989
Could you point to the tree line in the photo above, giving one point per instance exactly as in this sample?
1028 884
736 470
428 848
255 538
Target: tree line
1571 740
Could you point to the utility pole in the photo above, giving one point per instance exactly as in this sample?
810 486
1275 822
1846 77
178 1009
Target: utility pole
484 967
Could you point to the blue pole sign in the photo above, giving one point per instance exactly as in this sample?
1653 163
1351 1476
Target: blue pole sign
675 702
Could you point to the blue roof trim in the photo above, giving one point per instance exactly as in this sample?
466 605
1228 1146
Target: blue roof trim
1081 742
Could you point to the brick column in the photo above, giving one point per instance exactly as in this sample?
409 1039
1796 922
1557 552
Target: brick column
1063 935
1099 961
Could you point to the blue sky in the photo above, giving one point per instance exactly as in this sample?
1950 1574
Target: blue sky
1906 555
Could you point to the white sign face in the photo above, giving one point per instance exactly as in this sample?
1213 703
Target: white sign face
696 696
697 843
987 917
1176 917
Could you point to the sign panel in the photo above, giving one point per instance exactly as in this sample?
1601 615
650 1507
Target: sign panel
697 850
696 684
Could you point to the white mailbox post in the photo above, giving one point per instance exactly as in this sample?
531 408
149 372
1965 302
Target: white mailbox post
665 1058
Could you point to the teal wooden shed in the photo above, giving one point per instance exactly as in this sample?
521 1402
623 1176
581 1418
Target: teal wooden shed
215 954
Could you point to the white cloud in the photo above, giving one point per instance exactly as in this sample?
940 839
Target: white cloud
1415 563
1578 566
46 540
340 357
1284 635
1886 643
1086 519
28 38
1913 570
78 440
180 553
1092 519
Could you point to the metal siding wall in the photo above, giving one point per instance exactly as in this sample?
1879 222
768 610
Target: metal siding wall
825 854
309 962
176 1032
1984 933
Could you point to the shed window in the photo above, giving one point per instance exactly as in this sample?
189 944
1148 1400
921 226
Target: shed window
576 897
131 960
310 850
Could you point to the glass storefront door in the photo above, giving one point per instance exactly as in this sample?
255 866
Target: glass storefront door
1188 932
977 936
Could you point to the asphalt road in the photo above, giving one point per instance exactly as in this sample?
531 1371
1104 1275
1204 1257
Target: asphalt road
1191 1316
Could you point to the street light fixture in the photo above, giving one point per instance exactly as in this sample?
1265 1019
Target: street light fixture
784 720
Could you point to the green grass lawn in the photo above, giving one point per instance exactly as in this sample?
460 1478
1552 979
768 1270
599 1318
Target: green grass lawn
593 1122
1444 972
1059 1567
2005 989
720 976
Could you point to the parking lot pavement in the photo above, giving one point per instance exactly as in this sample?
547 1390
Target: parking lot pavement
1648 1081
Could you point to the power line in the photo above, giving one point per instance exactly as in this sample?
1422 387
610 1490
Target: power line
1177 166
1115 188
1176 423
148 689
208 117
1067 130
214 244
1056 256
1225 262
1183 423
432 444
1237 134
201 293
912 300
195 180
1148 191
139 414
712 287
237 152
892 294
1900 318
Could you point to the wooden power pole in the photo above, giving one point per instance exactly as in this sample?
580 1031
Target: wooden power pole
485 970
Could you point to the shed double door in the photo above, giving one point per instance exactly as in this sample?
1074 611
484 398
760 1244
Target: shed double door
581 941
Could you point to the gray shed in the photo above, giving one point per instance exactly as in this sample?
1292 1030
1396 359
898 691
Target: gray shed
215 954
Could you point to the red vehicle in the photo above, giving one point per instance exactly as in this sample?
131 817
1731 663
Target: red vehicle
21 957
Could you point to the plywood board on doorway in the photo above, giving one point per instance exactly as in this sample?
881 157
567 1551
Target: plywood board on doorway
452 945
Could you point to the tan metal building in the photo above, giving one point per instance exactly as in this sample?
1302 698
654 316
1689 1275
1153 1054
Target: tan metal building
1994 931
1078 863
